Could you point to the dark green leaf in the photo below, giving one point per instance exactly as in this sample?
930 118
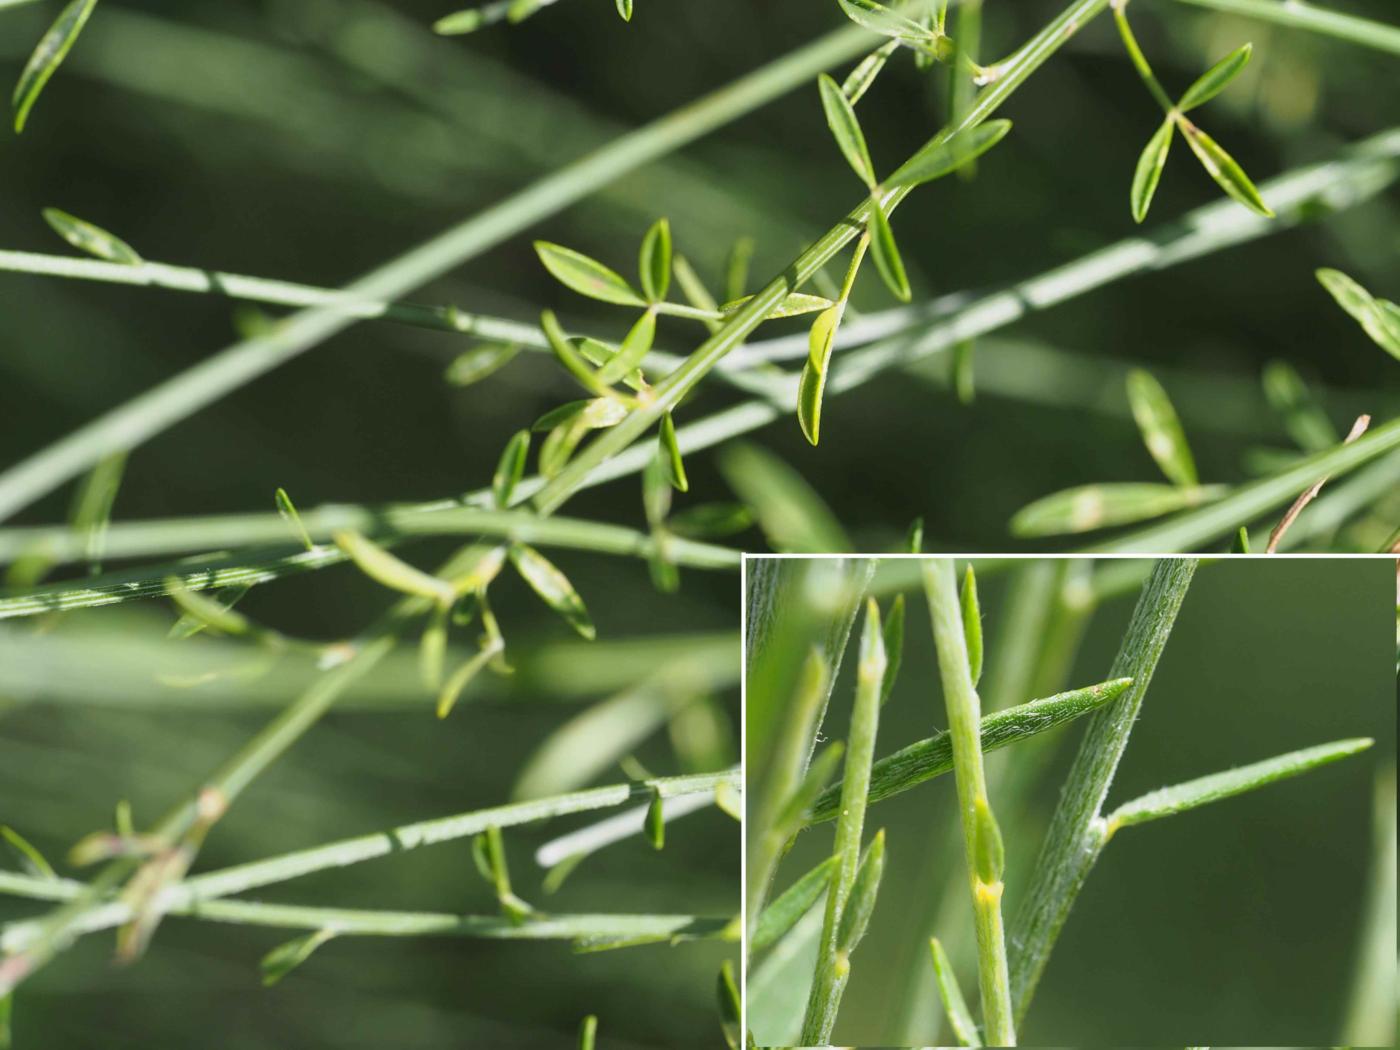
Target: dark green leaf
1304 418
972 624
285 958
954 1005
635 346
624 8
730 1008
570 358
287 509
962 370
1379 318
712 520
880 19
795 304
858 81
783 913
553 587
886 253
479 362
1160 427
1214 80
670 452
939 158
790 513
510 468
1221 167
841 118
988 851
736 268
1240 544
656 821
91 239
894 647
31 857
655 261
860 904
1149 169
586 276
53 47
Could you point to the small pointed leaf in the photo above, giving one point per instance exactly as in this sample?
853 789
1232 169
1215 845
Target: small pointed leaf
510 468
570 358
795 304
656 821
711 520
461 678
459 22
91 239
954 1005
972 624
1380 319
285 958
1149 169
52 49
586 276
1090 507
855 917
989 854
886 253
624 8
635 346
288 511
939 158
1215 79
841 118
670 451
1221 167
33 859
730 1011
553 587
783 913
1160 427
894 647
588 1033
479 362
382 567
655 261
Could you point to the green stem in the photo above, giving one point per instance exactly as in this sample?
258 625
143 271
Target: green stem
380 923
193 893
1077 829
1299 15
833 963
1144 70
981 837
670 390
181 396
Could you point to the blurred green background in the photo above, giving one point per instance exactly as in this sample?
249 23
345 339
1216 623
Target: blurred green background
1235 924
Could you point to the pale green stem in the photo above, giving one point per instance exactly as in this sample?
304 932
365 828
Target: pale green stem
180 397
1077 829
1299 15
981 838
192 893
380 923
833 962
1139 60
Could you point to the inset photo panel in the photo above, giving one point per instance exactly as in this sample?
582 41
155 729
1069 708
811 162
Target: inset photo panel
1070 802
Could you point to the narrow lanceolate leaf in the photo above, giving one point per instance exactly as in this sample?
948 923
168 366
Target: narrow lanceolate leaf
938 159
553 587
656 821
288 512
821 769
1161 428
7 1007
1240 544
635 346
1378 317
783 913
791 514
730 1008
1304 418
1221 167
91 239
510 468
1214 80
587 413
954 1005
51 51
382 567
285 958
794 305
654 263
845 128
570 358
810 388
880 19
914 538
205 611
670 452
1177 799
586 276
479 362
894 647
460 22
708 521
886 253
855 917
972 624
1149 169
926 759
736 268
432 649
1099 506
588 1033
624 8
31 857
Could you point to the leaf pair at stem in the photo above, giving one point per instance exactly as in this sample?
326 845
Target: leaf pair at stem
1219 165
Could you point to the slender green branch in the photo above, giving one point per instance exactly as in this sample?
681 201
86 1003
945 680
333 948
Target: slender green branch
932 757
1077 830
981 836
194 892
181 396
833 961
730 335
1299 15
380 923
